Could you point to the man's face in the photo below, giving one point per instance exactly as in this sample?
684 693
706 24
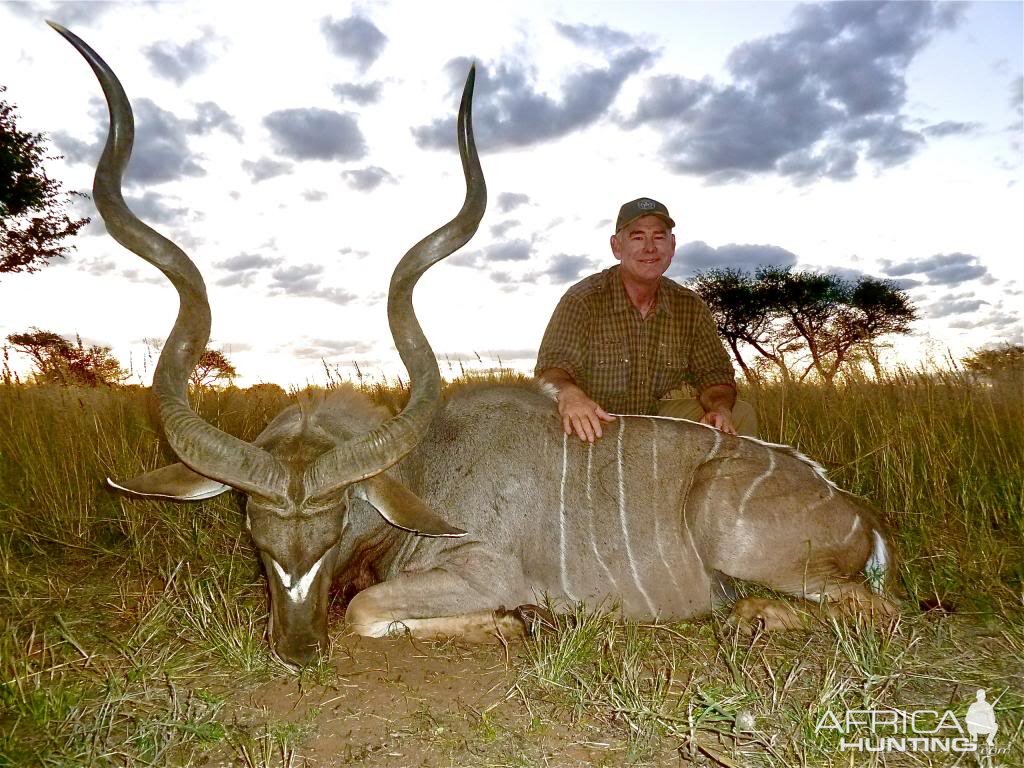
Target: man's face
645 249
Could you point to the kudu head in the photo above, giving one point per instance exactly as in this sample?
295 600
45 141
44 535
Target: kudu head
300 487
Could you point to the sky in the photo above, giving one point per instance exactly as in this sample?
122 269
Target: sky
297 150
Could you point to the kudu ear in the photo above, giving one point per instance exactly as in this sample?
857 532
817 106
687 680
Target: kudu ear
174 483
403 508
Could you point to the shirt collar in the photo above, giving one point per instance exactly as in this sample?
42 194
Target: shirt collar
620 301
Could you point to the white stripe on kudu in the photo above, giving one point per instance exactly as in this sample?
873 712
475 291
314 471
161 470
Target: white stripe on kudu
853 529
714 450
658 539
760 478
590 511
297 589
622 518
561 520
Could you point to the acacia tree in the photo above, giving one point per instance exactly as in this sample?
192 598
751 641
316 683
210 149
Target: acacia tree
213 366
33 208
806 303
744 313
804 321
1003 359
59 361
874 308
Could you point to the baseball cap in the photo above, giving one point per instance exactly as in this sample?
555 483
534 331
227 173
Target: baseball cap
642 206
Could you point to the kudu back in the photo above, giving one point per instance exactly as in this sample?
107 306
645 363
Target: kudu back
449 516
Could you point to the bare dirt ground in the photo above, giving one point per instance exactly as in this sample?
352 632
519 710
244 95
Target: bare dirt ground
401 702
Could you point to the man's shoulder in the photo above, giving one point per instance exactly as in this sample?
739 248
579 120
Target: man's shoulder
680 294
590 287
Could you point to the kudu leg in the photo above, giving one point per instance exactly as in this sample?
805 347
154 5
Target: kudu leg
475 600
849 600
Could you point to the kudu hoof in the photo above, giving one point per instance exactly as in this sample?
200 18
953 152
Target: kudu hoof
532 618
752 613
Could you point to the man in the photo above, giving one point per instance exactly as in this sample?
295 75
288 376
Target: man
622 340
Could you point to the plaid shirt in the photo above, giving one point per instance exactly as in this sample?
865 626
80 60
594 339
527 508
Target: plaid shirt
626 363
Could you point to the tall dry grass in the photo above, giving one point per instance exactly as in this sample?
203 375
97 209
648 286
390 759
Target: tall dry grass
127 629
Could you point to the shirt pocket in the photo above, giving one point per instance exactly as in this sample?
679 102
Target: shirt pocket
609 366
670 366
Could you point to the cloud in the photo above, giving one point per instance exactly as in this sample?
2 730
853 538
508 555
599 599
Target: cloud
510 112
241 279
70 14
598 37
355 38
314 195
315 134
247 261
359 254
564 268
941 269
696 256
360 93
954 305
265 168
297 279
161 152
509 200
464 259
150 277
210 116
244 268
845 272
180 62
304 280
501 228
853 275
668 97
323 348
512 353
367 179
996 320
509 250
98 266
950 128
74 149
153 208
808 103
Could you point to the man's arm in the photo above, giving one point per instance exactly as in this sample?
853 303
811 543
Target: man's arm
718 401
562 355
712 371
579 413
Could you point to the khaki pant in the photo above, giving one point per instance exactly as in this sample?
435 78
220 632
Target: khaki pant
744 418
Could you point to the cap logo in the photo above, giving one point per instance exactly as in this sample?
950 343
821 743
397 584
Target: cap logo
646 205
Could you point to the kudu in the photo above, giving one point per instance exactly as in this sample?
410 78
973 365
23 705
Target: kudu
652 519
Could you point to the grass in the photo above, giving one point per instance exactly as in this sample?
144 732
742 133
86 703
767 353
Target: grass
133 633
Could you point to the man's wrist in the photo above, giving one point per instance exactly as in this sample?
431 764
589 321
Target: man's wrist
569 391
719 398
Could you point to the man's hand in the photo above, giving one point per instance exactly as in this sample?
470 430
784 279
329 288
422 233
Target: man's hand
720 419
717 401
580 414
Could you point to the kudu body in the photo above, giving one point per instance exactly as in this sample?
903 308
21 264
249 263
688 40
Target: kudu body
651 519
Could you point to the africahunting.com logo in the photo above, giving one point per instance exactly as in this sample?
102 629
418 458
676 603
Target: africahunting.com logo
918 730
